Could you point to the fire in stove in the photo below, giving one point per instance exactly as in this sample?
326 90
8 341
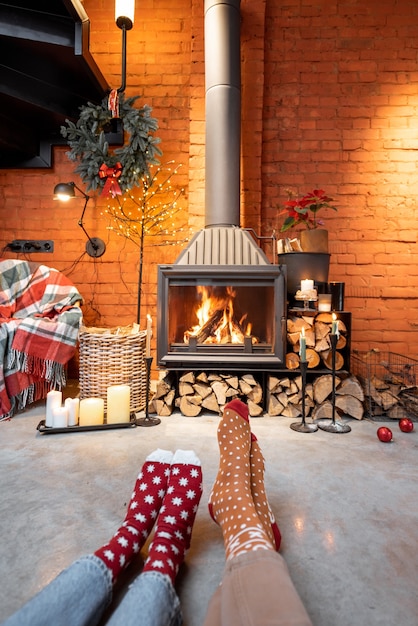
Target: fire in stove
221 316
217 320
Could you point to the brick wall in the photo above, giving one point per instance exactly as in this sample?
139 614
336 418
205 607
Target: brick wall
329 99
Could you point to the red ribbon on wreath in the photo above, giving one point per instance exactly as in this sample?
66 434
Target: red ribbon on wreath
113 103
111 174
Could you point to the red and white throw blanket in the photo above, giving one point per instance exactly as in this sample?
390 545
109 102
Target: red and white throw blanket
39 328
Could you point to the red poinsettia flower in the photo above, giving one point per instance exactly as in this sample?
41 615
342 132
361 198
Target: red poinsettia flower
303 210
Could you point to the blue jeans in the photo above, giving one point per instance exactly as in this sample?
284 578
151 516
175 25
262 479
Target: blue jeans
80 594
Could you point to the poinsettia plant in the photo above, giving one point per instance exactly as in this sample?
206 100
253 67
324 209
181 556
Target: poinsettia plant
304 210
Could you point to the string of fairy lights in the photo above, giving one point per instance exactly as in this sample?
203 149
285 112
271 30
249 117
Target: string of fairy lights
149 210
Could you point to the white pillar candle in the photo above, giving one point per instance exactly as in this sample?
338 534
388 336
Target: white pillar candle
148 338
91 412
306 285
60 417
73 407
118 404
53 400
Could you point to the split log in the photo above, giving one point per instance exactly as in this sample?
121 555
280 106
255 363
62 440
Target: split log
327 360
292 361
312 357
190 406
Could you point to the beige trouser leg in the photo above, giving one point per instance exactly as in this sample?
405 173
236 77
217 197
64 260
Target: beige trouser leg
256 590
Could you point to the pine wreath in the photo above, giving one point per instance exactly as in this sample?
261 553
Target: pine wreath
89 147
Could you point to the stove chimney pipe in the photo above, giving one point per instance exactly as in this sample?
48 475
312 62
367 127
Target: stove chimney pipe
223 112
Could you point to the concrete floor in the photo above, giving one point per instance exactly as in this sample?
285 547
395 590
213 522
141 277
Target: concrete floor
347 506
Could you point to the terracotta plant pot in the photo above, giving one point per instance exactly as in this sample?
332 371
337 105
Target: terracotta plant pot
314 240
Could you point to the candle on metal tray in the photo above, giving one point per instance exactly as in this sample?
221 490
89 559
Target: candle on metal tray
118 404
91 412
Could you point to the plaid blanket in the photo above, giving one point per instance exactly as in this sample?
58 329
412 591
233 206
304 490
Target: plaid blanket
39 327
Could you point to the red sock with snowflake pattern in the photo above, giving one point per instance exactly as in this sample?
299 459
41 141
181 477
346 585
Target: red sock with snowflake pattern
173 531
148 494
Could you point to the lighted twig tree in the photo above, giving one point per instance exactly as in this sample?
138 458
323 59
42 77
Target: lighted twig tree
149 211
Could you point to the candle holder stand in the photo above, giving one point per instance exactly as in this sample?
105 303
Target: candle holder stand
147 420
332 425
303 427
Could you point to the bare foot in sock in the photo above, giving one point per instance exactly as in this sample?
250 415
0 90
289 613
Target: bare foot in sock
149 491
230 502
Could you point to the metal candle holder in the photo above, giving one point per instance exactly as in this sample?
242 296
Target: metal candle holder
332 425
147 420
303 427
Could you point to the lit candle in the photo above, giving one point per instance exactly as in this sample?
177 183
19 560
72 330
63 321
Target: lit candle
148 339
334 327
91 412
59 417
306 285
73 407
118 404
53 401
302 346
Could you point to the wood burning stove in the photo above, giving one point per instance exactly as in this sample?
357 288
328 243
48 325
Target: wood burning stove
221 306
220 316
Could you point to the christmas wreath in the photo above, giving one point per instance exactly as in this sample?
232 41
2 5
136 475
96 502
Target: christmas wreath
119 170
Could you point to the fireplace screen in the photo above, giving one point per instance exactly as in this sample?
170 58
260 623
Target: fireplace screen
213 316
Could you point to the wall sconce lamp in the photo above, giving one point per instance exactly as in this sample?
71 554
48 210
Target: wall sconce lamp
124 18
95 247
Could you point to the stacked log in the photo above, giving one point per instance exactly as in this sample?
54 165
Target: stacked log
201 391
285 396
317 331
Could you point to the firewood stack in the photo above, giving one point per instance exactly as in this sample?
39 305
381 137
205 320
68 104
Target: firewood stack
285 397
318 345
389 381
200 391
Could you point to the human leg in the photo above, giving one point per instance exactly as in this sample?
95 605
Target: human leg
78 596
149 491
230 502
151 599
256 590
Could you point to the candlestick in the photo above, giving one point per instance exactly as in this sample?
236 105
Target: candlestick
332 425
91 412
148 338
118 404
303 427
147 420
73 407
53 400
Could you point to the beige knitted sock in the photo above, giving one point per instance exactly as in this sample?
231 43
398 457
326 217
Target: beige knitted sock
259 495
230 502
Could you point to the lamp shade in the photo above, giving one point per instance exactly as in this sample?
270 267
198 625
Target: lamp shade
64 191
124 13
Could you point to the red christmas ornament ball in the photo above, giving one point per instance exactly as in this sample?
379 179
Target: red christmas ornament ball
385 434
406 425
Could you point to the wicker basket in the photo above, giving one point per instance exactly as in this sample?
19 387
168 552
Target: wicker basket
389 381
113 357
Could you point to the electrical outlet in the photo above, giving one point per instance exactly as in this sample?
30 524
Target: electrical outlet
31 245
